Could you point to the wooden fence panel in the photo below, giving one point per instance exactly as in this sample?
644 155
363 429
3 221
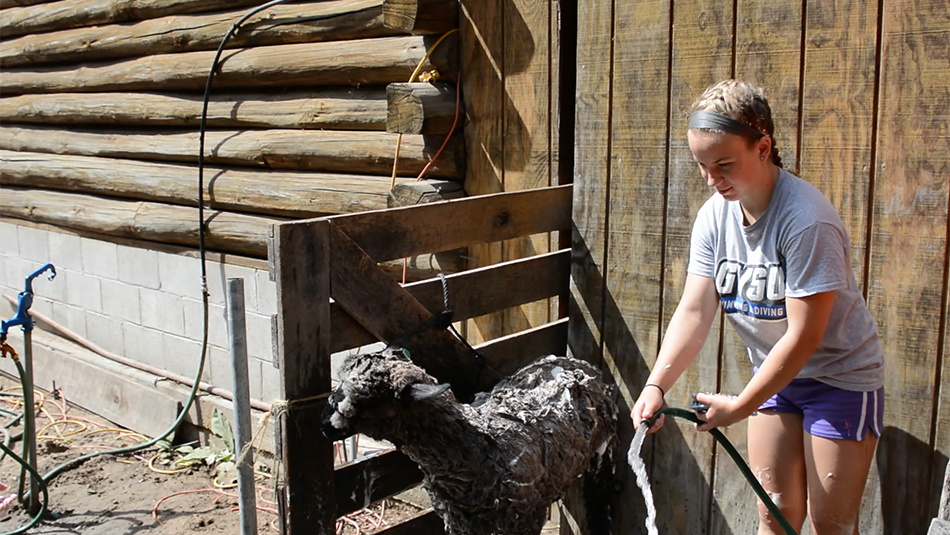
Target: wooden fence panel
636 206
702 55
909 250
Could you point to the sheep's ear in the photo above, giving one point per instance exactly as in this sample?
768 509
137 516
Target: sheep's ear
423 391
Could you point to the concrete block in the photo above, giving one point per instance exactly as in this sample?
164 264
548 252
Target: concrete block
99 258
120 301
55 290
180 275
270 383
41 305
73 318
143 344
105 332
181 355
266 294
9 244
33 245
162 311
259 342
139 267
217 283
65 251
83 291
13 271
218 367
939 527
254 378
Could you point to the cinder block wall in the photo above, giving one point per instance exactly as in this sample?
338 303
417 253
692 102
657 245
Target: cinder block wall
142 303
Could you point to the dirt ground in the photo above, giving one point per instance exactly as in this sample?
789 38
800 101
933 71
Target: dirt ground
116 495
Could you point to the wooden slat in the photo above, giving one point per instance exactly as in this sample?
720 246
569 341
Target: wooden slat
358 62
421 108
908 255
280 193
635 207
529 95
838 112
591 176
279 25
389 312
330 109
373 478
472 220
4 4
301 265
368 153
768 53
226 231
424 523
482 62
472 293
700 59
77 13
509 354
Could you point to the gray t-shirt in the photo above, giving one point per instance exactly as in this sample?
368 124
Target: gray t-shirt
798 247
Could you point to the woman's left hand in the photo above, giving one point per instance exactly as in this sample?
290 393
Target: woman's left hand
723 411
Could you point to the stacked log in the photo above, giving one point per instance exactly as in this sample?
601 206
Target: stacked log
102 101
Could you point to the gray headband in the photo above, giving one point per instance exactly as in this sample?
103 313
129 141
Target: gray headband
707 120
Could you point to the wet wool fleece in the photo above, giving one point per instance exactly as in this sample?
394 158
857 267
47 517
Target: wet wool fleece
496 465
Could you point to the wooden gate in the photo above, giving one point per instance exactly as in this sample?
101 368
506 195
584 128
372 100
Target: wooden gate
335 258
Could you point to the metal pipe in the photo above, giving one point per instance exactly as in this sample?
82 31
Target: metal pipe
189 382
29 420
237 330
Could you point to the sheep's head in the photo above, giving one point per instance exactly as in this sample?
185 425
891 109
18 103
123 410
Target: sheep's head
374 388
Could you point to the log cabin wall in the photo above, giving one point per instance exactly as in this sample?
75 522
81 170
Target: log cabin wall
859 91
99 111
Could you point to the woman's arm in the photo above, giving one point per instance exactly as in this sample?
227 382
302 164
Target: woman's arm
807 320
684 338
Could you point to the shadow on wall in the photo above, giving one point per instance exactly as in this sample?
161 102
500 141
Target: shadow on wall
904 466
682 493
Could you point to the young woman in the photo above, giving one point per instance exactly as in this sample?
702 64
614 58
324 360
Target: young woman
770 249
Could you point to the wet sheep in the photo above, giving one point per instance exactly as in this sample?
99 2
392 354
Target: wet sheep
493 466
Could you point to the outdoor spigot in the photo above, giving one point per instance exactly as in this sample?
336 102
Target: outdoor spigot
24 302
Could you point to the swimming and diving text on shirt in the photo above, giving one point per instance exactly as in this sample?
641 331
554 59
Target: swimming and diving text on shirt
756 290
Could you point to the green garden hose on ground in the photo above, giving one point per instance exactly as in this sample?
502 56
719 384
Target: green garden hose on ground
740 462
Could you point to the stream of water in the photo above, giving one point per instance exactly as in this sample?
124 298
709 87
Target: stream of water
640 469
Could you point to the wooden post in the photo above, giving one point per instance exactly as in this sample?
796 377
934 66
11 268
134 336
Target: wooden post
421 108
302 269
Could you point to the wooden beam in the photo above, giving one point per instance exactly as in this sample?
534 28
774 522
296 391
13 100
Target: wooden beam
330 109
359 62
373 478
488 218
510 353
5 4
411 193
301 264
421 108
227 232
52 16
284 24
421 16
369 153
265 192
389 312
471 293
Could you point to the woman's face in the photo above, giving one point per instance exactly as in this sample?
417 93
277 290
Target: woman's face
728 162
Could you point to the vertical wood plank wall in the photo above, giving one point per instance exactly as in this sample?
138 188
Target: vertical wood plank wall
510 86
861 97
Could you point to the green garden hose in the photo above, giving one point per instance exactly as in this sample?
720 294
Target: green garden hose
740 462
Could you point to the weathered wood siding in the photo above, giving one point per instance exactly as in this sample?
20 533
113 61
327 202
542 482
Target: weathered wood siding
860 93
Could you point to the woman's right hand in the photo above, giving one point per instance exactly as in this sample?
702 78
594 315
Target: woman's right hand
647 405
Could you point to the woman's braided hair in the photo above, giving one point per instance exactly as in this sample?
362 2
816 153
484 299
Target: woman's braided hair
743 102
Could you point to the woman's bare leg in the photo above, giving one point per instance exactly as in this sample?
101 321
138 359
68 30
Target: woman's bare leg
837 471
777 457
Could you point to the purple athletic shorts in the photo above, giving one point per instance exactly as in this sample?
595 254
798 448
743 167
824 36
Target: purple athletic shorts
830 412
